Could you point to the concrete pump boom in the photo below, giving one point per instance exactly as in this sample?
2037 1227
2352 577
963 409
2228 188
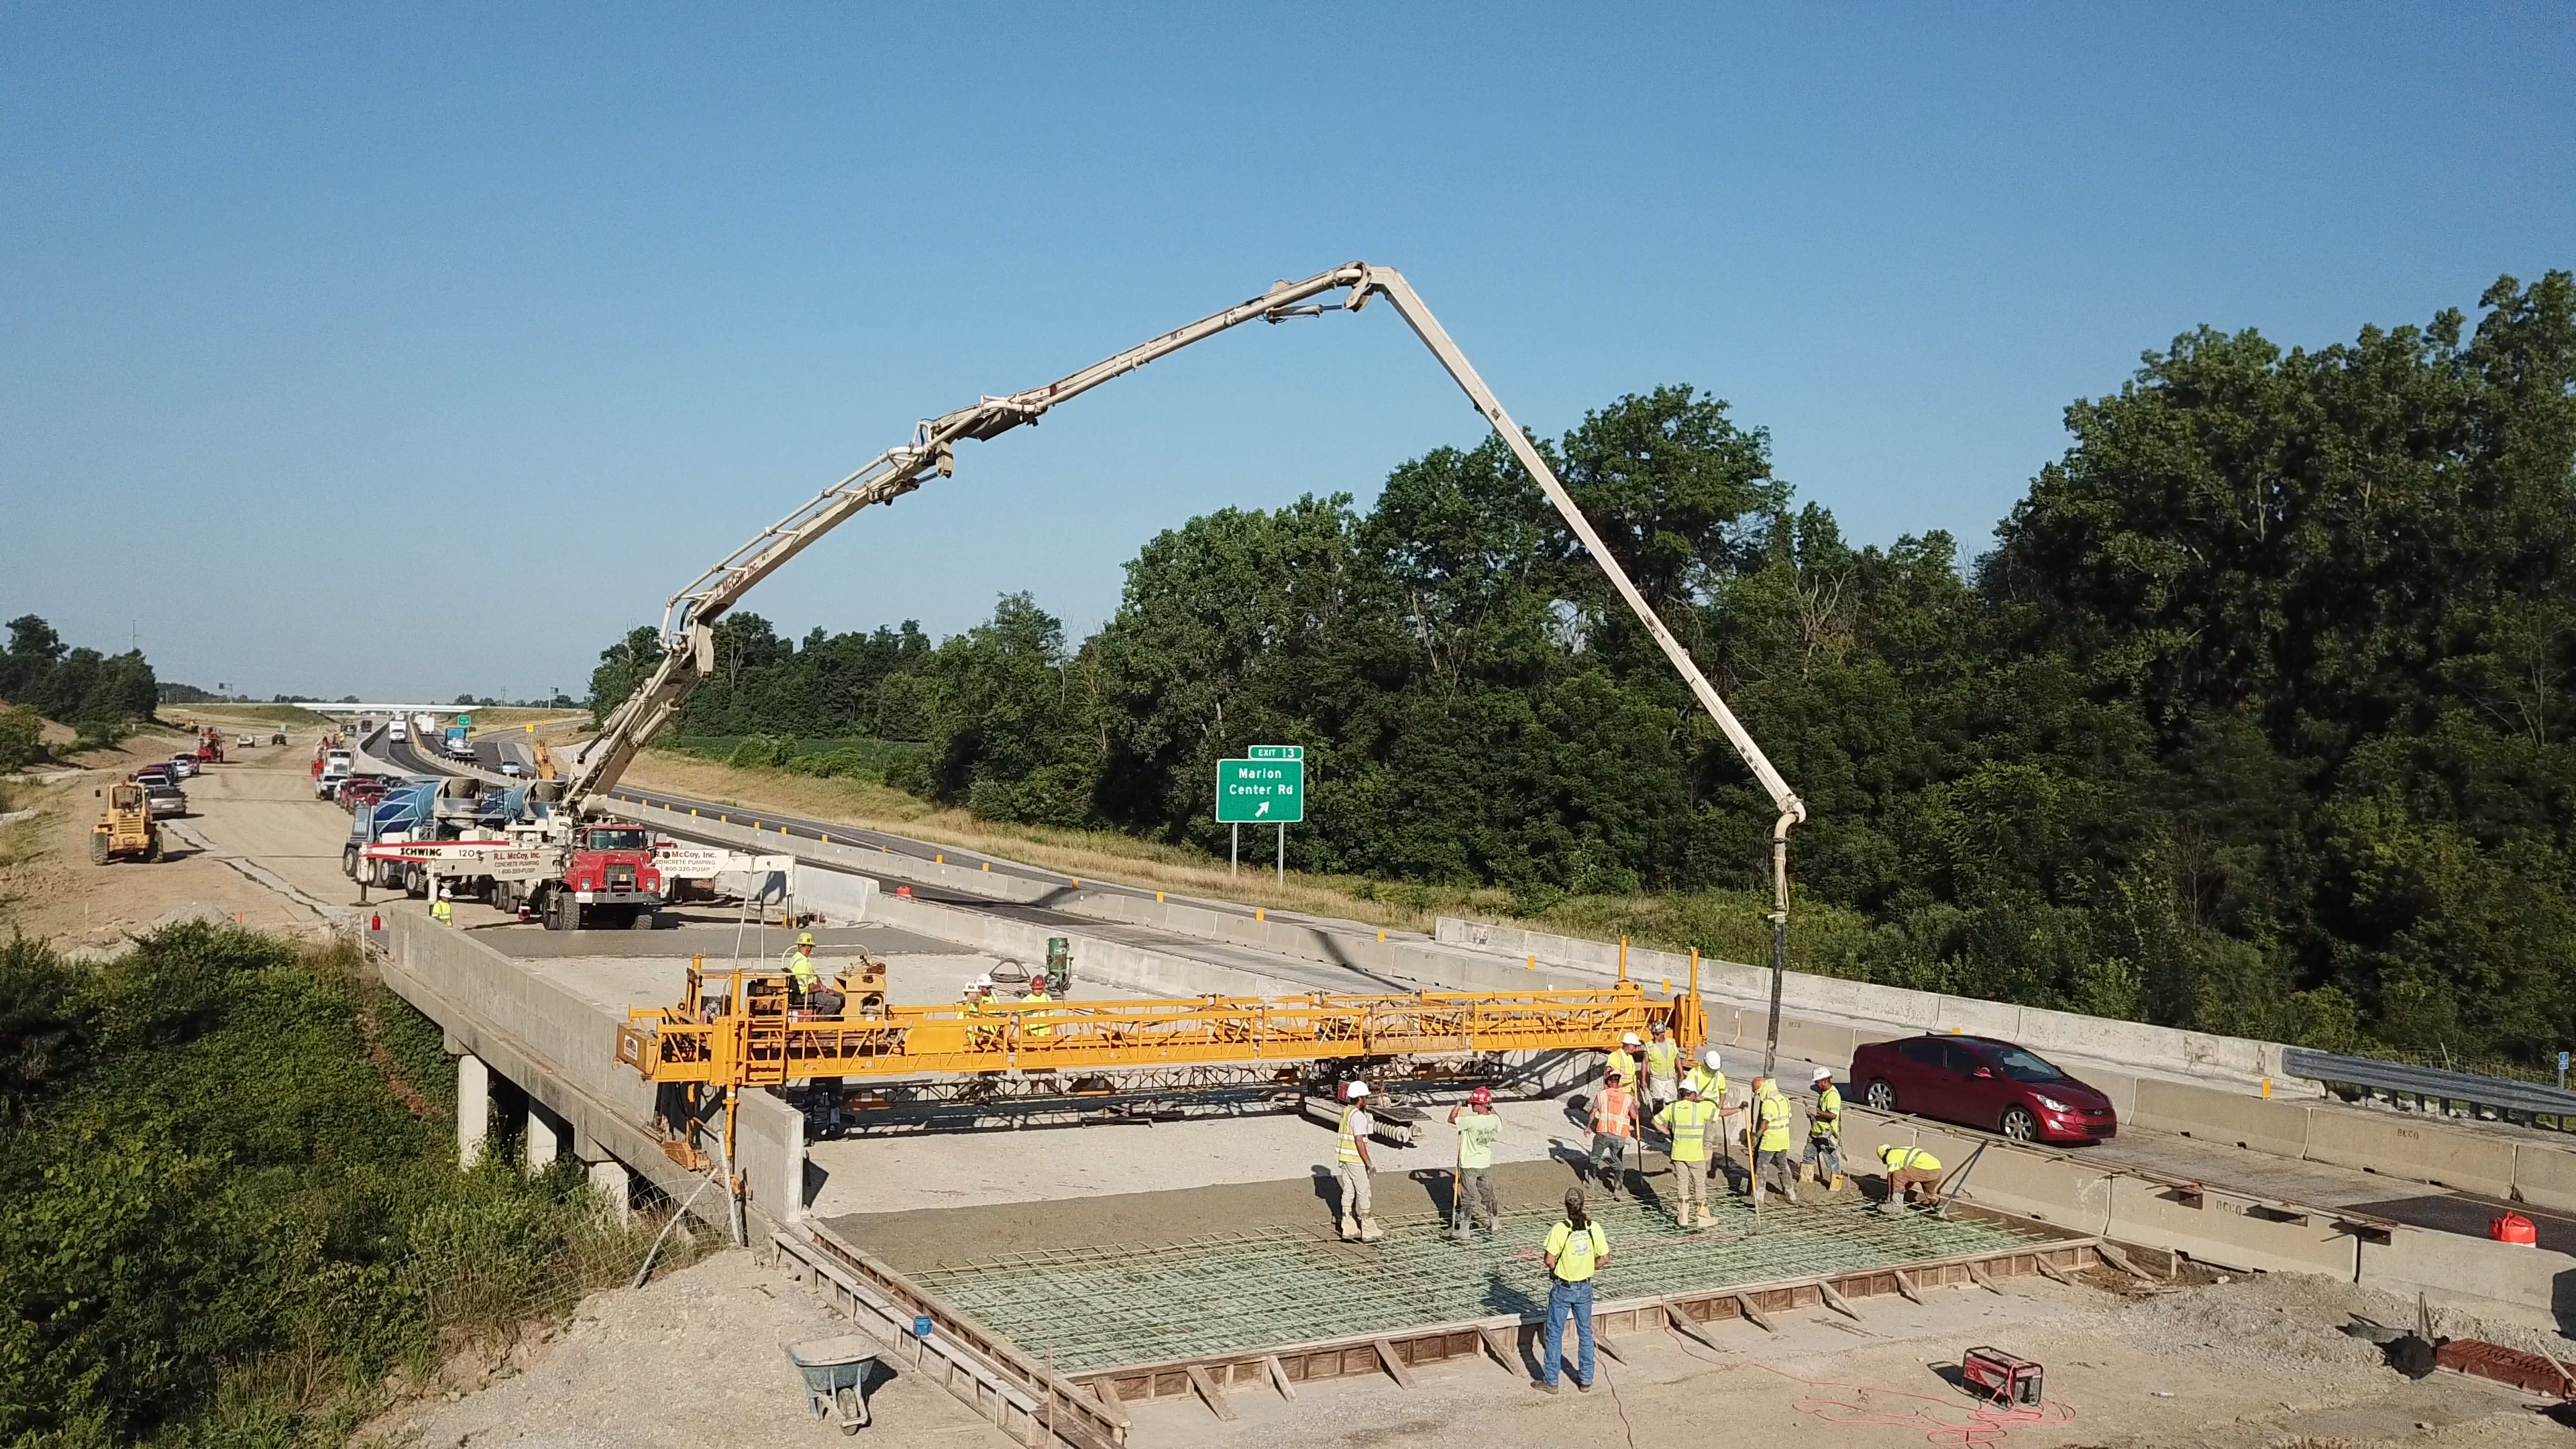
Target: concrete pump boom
689 617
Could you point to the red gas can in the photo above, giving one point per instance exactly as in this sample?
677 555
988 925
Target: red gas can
2513 1228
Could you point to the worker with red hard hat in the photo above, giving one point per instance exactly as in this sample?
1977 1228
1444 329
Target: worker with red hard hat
1471 1198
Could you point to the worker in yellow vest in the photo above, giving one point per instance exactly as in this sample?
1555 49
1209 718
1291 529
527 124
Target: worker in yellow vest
800 967
1575 1249
1472 1200
1623 1060
1614 1126
1908 1170
1689 1122
1352 1166
1037 1023
979 1031
1710 1078
441 911
1662 1063
1770 1128
1825 1132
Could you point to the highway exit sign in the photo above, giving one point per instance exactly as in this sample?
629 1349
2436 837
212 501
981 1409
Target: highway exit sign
1276 752
1263 791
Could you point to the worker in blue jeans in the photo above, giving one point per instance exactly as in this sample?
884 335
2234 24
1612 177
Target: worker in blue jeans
1576 1249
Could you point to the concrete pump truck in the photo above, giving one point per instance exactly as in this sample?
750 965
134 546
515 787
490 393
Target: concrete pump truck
689 616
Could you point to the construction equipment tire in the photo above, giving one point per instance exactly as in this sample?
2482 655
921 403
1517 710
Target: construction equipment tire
98 851
642 920
152 847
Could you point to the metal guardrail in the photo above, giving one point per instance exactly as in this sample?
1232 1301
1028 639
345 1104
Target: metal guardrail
2432 1083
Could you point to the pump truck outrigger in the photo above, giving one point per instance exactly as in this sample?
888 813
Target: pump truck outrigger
689 616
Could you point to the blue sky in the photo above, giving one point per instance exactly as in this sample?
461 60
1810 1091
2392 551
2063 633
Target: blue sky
411 350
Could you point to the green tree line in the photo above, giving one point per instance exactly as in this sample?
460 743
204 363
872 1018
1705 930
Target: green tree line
2254 718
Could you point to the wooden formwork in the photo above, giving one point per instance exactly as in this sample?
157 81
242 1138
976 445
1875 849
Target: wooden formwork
1507 1340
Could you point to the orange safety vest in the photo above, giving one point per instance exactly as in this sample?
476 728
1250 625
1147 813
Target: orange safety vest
1610 1112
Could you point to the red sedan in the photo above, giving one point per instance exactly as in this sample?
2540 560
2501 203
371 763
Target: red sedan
1981 1082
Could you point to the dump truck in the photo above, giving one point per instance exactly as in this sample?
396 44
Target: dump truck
125 829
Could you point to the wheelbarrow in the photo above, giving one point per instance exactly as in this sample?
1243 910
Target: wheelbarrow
836 1377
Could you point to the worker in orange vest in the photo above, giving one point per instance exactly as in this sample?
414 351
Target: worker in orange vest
1614 1126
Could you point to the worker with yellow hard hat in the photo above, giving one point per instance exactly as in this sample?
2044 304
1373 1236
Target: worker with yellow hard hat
1909 1170
800 967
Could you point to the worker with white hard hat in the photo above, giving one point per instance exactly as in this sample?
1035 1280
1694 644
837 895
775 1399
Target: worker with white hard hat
1623 1060
1710 1079
1825 1133
1770 1129
440 910
1351 1165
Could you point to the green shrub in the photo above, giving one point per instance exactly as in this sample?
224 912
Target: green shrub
220 1219
22 737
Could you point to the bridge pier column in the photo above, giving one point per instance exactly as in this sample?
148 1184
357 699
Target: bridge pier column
615 1186
548 1137
473 1108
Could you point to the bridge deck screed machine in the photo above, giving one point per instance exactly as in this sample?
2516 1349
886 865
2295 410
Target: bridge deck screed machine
748 1045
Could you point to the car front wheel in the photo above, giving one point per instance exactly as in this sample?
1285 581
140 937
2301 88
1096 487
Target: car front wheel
2020 1125
1881 1096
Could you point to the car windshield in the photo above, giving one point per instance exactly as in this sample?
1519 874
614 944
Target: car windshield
617 840
2021 1066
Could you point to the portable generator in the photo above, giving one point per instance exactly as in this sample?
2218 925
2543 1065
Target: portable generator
2005 1378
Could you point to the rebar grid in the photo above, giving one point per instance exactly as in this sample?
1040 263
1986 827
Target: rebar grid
1087 1309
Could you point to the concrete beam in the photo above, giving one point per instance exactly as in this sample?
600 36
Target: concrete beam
615 1187
473 1109
548 1137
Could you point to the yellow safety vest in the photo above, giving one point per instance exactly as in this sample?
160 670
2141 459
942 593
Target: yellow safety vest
1775 1123
1037 1020
1621 1063
442 912
1578 1255
800 969
1662 1059
1827 1123
1688 1120
1898 1159
1712 1085
1346 1147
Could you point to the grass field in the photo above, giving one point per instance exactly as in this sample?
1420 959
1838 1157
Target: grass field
294 716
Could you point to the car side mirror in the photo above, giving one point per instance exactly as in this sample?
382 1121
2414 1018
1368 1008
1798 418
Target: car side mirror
1986 1072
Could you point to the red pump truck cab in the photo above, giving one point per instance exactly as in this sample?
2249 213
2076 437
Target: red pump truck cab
609 881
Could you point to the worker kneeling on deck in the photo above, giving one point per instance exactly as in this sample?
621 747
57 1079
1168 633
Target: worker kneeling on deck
1771 1139
1478 1128
1690 1122
1352 1166
1909 1169
1575 1249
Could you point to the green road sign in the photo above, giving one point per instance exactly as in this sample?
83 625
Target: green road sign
1260 792
1277 752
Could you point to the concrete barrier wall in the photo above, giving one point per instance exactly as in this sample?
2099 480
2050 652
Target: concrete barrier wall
769 1153
2545 1176
2128 1043
2279 1128
2419 1149
863 859
2495 1280
839 897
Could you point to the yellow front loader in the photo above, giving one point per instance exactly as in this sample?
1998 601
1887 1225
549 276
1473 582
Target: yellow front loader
125 828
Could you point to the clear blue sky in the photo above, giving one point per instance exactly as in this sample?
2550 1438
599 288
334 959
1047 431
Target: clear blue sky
408 350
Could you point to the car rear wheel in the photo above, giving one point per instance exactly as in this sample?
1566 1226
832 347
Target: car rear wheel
2020 1125
1881 1096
